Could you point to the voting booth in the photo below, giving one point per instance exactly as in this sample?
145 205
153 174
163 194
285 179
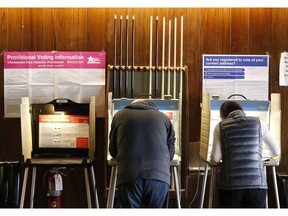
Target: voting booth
163 82
169 107
58 133
267 111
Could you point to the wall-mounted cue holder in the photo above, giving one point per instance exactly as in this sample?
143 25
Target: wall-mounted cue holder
138 81
145 68
129 80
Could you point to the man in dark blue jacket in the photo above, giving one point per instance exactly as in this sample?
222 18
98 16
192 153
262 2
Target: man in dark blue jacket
142 140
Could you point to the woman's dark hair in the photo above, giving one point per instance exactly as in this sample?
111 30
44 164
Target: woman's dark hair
228 107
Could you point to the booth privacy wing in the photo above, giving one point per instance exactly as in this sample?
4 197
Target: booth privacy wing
205 127
26 133
275 119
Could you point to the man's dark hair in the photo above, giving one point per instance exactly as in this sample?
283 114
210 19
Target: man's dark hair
228 107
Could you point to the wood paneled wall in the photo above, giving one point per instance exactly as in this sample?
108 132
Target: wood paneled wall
206 31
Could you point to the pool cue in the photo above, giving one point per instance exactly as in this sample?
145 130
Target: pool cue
169 52
115 58
133 53
127 57
181 55
156 59
120 60
150 57
175 50
163 59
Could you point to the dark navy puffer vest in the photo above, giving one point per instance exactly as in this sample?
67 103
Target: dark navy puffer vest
241 141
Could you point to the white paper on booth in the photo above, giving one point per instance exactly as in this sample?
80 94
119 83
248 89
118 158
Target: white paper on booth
283 69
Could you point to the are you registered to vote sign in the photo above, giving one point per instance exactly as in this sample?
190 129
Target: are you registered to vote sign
248 75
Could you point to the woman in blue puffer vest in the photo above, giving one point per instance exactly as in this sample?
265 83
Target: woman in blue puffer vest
237 143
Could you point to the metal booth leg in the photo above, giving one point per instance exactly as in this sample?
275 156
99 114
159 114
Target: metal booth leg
177 189
24 187
34 172
265 173
204 185
94 187
211 191
87 187
112 187
275 187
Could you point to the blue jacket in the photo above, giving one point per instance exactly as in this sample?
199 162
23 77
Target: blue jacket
142 141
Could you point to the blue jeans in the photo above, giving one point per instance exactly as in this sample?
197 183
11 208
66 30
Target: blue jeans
147 193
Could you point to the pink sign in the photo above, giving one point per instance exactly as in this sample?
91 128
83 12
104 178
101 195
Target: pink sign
54 59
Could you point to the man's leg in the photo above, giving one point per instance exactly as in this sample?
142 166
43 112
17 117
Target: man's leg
130 194
156 194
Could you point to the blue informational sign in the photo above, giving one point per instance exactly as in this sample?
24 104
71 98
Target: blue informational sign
235 60
248 75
